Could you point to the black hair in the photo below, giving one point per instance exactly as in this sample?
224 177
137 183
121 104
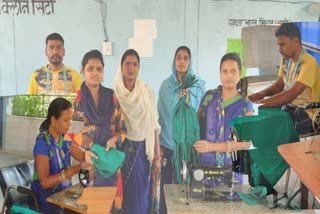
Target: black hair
56 107
183 48
54 36
289 29
93 54
129 52
231 56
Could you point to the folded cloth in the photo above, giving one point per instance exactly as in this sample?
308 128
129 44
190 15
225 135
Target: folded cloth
108 162
18 209
255 196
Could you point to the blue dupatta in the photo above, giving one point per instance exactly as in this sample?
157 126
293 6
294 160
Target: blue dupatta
100 115
168 99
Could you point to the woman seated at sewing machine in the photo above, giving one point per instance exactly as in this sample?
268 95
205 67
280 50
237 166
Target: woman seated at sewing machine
52 152
217 108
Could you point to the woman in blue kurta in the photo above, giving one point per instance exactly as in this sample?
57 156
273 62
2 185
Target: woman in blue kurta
168 98
217 108
52 152
142 141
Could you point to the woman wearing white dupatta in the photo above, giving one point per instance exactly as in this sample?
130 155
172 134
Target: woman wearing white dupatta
141 146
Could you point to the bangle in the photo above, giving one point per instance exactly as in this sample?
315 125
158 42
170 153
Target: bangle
157 158
229 146
62 175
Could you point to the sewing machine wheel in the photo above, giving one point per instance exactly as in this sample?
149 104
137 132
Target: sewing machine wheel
84 177
198 174
184 171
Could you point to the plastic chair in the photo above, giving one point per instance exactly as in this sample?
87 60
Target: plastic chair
14 182
22 190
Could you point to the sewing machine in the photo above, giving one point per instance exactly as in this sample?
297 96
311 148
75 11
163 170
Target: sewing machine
84 177
209 183
213 183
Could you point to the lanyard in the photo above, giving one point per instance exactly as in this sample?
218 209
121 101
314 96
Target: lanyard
63 164
62 154
64 78
294 70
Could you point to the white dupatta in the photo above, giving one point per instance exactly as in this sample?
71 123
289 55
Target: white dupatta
140 110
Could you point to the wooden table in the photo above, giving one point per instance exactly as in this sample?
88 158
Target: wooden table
306 165
90 200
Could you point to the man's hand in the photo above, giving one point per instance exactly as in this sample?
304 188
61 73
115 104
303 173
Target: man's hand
257 96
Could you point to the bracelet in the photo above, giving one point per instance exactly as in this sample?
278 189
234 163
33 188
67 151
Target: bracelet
157 158
62 175
229 146
209 147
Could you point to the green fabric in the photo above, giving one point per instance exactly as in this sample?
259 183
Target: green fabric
235 46
108 162
267 131
186 132
17 209
255 196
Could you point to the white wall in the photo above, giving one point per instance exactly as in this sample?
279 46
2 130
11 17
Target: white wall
214 27
201 24
21 132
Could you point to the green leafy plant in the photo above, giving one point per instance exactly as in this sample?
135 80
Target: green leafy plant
34 105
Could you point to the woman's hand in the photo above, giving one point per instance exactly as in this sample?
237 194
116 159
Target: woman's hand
202 146
161 151
112 142
184 92
156 166
88 155
86 142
